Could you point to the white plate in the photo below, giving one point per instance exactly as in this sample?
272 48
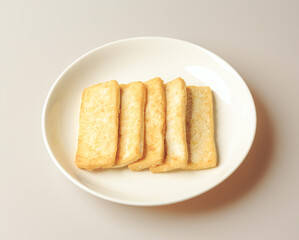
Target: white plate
139 59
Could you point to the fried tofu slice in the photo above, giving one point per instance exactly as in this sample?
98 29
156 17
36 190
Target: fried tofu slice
176 144
131 125
155 114
200 129
98 126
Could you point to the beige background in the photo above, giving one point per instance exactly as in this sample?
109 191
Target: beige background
40 38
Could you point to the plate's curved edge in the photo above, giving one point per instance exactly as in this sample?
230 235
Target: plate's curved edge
132 203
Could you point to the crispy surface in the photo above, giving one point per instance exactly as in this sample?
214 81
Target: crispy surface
98 126
131 125
200 129
176 145
155 114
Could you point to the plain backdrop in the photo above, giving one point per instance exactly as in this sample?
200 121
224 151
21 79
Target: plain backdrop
38 39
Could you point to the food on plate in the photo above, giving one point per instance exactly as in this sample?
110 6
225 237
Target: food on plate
155 114
176 143
98 126
131 123
146 126
200 129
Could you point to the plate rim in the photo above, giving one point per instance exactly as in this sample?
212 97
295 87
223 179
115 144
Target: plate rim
138 203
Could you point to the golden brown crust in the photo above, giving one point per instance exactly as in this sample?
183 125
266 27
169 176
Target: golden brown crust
155 114
200 129
176 145
131 125
98 126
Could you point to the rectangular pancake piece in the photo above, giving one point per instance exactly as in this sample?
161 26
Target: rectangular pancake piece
176 144
155 114
131 123
200 129
98 126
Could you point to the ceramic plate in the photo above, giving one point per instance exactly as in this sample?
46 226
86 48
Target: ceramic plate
140 59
